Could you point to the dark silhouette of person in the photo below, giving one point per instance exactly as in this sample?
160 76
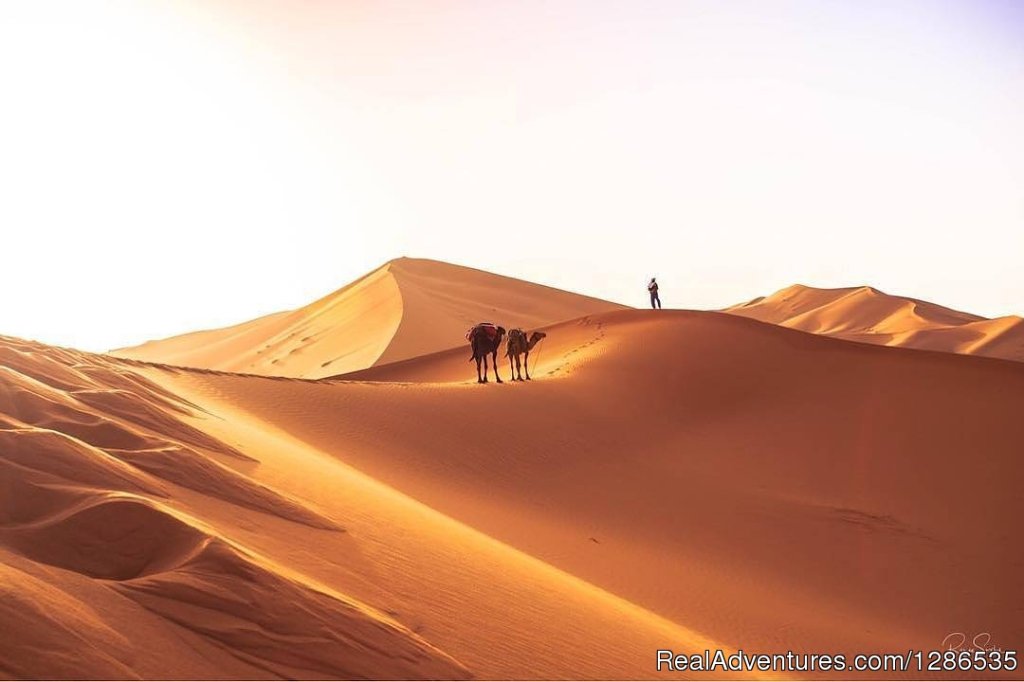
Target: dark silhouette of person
653 289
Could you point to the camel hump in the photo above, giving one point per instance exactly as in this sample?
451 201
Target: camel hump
488 328
516 341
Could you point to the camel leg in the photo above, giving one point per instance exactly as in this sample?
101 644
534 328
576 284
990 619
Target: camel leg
526 363
494 357
511 368
485 368
476 356
519 368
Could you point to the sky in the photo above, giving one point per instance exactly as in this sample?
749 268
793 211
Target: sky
173 166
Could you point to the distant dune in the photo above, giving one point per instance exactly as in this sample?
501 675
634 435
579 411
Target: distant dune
405 308
870 316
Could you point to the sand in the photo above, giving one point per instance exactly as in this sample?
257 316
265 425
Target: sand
406 308
670 479
868 315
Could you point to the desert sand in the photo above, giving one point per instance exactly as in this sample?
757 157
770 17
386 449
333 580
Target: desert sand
868 315
670 479
406 308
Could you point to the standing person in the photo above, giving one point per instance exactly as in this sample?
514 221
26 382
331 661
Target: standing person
653 289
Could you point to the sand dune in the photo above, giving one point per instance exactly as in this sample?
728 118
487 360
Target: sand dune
677 479
285 627
203 584
764 486
870 316
112 505
315 600
406 308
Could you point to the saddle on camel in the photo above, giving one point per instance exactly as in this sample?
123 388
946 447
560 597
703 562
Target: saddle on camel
485 339
520 344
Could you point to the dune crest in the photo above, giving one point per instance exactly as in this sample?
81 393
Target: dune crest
868 315
406 308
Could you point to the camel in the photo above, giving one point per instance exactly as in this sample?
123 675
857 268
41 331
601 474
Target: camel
518 344
485 339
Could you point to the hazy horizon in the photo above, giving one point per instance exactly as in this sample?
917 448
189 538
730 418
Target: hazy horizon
189 165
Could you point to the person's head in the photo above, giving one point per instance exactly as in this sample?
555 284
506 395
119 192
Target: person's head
652 280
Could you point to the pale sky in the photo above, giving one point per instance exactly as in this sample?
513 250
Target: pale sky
172 166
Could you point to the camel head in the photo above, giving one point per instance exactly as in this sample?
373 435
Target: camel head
535 339
501 334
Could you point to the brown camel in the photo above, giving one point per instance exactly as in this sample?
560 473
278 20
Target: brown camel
485 339
518 345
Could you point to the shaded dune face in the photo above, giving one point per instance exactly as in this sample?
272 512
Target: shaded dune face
190 469
53 631
52 458
113 538
870 316
406 308
92 472
100 416
203 584
285 627
85 432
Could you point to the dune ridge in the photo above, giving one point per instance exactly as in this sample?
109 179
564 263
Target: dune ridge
138 429
868 315
406 308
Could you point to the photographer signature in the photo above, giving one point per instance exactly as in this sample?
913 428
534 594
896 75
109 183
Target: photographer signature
958 641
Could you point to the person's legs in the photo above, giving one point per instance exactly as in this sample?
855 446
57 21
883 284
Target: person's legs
654 297
658 299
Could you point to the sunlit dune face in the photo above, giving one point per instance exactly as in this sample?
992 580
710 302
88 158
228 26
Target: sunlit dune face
400 311
687 477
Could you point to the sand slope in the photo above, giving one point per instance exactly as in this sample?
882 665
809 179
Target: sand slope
254 554
115 564
766 487
407 307
870 316
673 479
